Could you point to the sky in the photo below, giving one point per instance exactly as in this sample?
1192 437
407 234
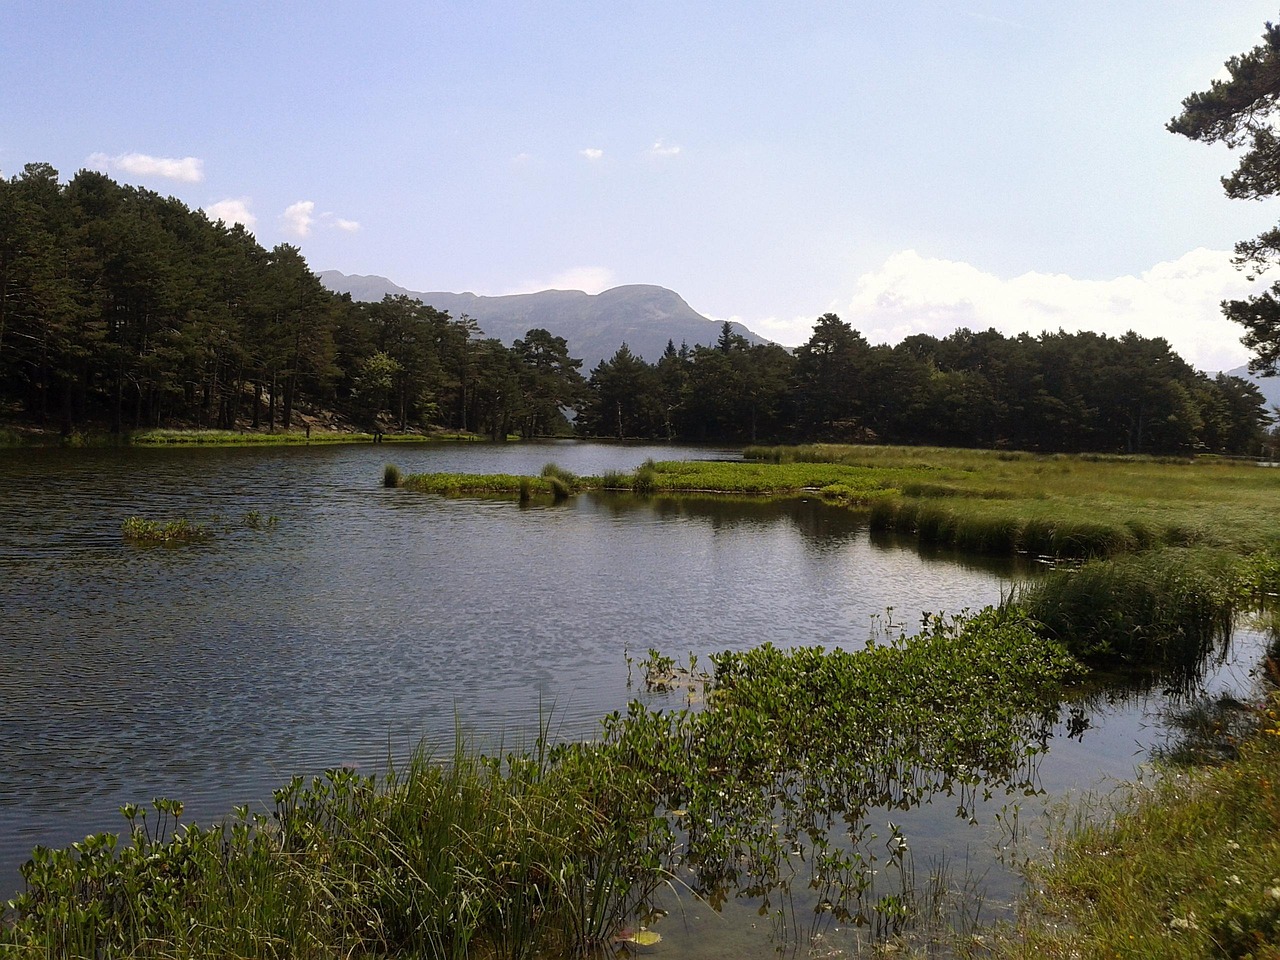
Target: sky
913 167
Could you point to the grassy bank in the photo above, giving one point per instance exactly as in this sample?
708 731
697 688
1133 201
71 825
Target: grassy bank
1060 505
1187 866
981 501
10 437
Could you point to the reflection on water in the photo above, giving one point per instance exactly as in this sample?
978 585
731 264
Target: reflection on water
368 619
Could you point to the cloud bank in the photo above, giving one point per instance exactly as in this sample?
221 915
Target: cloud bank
184 170
1176 299
298 217
233 210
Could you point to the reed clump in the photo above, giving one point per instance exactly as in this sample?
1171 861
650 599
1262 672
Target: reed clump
141 530
563 483
1161 608
391 476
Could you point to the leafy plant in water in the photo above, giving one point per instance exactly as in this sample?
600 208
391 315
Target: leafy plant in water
143 531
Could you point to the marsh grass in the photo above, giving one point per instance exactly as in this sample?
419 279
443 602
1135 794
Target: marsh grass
1162 608
563 483
143 531
1187 866
1063 506
391 475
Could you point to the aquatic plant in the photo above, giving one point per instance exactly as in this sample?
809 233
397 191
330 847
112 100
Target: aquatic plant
562 847
563 483
391 475
1161 608
141 530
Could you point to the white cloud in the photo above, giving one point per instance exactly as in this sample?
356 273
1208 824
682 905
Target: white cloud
1177 300
520 159
298 217
660 149
586 279
592 153
347 226
185 169
233 210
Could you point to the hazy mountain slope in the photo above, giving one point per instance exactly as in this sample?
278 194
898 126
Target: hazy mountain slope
644 317
1269 387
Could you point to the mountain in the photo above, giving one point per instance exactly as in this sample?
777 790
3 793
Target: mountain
644 317
1269 387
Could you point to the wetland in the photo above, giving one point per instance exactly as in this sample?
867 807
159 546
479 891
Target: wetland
365 623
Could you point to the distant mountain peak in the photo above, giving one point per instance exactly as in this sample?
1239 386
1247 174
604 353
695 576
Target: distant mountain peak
644 316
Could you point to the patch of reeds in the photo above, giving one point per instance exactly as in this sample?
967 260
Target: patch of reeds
141 530
473 856
391 475
461 484
563 483
1162 608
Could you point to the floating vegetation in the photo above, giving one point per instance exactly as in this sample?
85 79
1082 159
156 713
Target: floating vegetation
254 520
140 530
147 532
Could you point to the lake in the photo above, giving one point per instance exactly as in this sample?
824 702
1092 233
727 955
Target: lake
366 620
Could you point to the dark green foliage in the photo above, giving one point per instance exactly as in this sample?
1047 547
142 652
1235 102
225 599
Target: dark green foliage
391 476
1241 112
1161 608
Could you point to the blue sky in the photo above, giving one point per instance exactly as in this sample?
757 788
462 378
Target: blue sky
912 166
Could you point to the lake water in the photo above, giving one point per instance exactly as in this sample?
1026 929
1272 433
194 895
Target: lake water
368 619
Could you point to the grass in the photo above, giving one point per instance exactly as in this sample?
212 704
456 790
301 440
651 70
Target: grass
1059 506
984 501
1158 609
1185 867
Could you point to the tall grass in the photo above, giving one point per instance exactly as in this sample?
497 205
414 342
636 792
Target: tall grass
1182 868
1157 609
469 857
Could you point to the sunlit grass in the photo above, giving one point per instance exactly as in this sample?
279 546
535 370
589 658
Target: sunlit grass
1186 866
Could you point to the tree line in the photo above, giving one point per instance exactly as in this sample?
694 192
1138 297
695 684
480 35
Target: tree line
123 306
1052 392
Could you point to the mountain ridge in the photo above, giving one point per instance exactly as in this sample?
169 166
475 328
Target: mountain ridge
643 316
